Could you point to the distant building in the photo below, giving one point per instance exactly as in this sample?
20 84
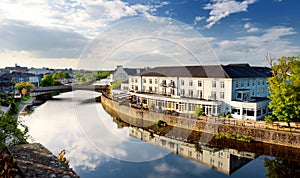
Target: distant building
17 69
123 73
239 89
41 71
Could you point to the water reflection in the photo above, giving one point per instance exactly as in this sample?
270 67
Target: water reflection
98 145
224 160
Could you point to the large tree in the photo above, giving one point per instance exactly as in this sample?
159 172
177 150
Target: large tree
24 86
285 89
47 80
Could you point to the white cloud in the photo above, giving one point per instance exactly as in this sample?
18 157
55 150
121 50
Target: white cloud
198 19
255 48
86 17
220 9
250 29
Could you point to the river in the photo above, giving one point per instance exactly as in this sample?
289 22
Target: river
98 145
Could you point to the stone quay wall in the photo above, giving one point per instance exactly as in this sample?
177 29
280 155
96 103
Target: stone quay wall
141 118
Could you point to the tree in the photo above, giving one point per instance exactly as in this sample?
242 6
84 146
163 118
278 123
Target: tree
199 111
284 89
11 130
24 87
281 168
47 80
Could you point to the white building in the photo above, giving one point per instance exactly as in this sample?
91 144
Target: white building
239 89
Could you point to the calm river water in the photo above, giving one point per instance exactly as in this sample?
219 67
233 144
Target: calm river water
97 146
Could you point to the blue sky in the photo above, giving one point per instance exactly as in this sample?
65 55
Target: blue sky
72 33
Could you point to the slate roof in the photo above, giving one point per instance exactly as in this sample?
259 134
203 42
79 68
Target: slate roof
133 71
209 71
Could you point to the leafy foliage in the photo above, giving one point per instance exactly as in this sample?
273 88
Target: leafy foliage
11 130
277 168
285 89
47 80
199 111
116 84
24 87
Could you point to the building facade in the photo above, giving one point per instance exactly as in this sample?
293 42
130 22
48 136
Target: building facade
241 90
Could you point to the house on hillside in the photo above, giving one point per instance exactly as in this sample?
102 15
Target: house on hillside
123 74
239 89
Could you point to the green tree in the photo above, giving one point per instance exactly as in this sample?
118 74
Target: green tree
11 132
22 86
285 89
103 74
117 83
59 75
199 111
47 80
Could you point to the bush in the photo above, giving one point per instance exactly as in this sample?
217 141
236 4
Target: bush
199 111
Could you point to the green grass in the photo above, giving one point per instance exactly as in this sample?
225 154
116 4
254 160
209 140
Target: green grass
25 98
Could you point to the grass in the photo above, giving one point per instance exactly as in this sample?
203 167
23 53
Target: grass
25 98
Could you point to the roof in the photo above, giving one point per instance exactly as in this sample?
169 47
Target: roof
133 71
209 71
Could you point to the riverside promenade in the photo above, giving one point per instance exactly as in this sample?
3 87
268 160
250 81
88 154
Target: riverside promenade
258 131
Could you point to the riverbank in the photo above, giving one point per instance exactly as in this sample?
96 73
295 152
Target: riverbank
33 160
210 125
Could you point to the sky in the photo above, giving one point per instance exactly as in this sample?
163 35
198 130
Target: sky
100 34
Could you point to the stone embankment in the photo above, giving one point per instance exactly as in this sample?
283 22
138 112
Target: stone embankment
140 117
34 160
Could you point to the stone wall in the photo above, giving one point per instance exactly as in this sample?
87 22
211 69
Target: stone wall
141 118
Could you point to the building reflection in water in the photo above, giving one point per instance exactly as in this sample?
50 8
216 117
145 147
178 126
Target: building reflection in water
225 160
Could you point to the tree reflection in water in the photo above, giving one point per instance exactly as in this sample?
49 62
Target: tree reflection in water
277 168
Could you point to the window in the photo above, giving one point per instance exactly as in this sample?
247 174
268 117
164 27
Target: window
150 89
132 87
222 85
182 92
236 84
214 84
248 83
263 82
190 93
145 81
199 83
199 93
239 95
155 81
155 90
253 83
132 80
258 82
191 83
222 95
220 164
182 82
135 80
136 87
242 84
150 81
213 95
